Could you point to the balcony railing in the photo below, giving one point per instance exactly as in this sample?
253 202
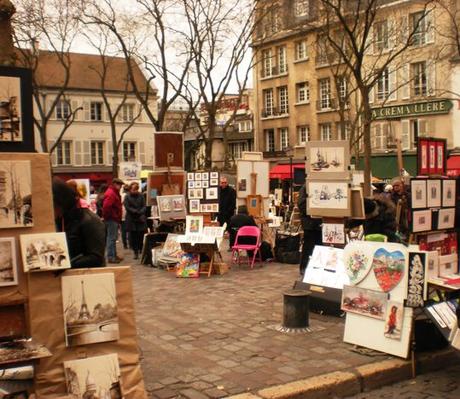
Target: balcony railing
326 104
274 71
275 111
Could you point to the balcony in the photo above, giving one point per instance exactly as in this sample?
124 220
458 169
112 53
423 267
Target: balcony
274 72
274 154
275 112
326 104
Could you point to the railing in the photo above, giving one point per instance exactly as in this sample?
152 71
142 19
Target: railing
275 111
325 104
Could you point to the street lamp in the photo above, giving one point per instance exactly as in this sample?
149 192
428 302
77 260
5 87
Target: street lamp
289 150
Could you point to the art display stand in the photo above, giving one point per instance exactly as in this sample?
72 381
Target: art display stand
41 291
211 250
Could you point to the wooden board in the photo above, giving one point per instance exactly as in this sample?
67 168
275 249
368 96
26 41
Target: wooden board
169 143
262 168
156 180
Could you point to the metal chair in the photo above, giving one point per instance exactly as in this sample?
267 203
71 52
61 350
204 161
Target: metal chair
247 231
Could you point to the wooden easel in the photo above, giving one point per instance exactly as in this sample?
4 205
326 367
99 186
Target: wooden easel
170 188
209 249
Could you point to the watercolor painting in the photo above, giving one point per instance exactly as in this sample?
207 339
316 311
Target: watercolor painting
171 247
365 302
394 320
357 265
189 266
10 109
8 265
193 224
388 268
94 377
333 233
330 195
194 206
416 281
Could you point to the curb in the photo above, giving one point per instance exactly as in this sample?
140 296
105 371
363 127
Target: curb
354 381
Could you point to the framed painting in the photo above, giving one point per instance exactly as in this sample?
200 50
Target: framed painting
16 110
446 218
422 160
193 224
421 220
328 198
431 156
394 320
169 150
365 302
432 160
433 193
254 205
418 193
416 285
8 264
171 207
333 233
441 159
157 182
449 190
328 160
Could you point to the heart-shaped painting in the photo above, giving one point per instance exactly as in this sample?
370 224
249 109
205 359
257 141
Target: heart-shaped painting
388 268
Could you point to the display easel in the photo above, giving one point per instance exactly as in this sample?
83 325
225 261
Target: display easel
209 249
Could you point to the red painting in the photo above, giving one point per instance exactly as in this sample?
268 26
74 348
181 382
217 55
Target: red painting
431 156
440 157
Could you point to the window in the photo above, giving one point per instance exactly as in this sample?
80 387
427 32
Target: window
245 126
421 28
268 102
236 149
270 140
63 153
301 50
303 92
419 78
272 21
282 63
283 99
378 136
97 152
381 39
342 88
303 134
129 151
343 130
301 8
325 132
267 63
96 111
127 112
383 85
284 137
322 50
62 109
325 93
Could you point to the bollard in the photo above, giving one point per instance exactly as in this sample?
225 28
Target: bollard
296 304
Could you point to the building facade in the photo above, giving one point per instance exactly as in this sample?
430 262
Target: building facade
300 96
85 150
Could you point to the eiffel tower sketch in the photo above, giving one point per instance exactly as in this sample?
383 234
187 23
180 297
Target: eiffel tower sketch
84 312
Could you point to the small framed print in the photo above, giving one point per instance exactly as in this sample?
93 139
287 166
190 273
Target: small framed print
433 193
198 176
422 157
194 206
190 176
214 175
440 157
432 160
446 218
191 193
418 193
448 192
214 182
421 220
198 183
211 193
198 193
215 208
191 184
205 184
205 176
203 208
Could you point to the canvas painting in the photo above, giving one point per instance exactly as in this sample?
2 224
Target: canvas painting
193 224
327 159
165 204
328 195
364 302
8 265
211 193
433 188
418 193
93 377
421 220
333 233
171 247
194 206
448 193
178 203
44 251
394 320
416 281
90 308
446 218
15 194
10 109
388 268
189 266
357 263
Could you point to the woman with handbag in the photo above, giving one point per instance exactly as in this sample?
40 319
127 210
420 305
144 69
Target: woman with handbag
135 220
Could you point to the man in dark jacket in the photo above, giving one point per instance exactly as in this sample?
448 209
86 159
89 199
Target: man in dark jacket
380 218
111 213
239 220
85 231
135 220
227 202
311 230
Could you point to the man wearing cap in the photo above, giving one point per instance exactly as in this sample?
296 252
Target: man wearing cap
111 213
398 191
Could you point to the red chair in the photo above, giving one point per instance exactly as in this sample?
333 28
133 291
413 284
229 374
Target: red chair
247 231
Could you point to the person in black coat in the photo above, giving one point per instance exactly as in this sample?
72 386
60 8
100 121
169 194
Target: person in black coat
311 230
239 220
135 219
227 202
85 231
380 218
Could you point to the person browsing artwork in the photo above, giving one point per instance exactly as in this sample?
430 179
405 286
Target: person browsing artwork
135 218
111 213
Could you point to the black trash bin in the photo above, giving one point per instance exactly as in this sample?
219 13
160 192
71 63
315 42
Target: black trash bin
296 303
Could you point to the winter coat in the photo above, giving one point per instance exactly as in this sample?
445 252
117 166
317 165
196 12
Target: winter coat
382 221
85 233
237 221
135 219
111 207
227 204
308 223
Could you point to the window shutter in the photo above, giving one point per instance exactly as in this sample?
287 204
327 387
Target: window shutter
109 152
74 105
48 105
404 23
120 113
86 111
86 153
371 94
78 153
370 41
139 110
429 20
53 154
405 82
392 33
142 152
106 113
393 87
431 78
405 135
422 127
374 136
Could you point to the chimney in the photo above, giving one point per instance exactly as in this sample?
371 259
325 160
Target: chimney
7 57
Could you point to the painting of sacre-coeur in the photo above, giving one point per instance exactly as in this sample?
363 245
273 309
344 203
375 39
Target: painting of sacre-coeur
15 194
90 308
94 377
44 251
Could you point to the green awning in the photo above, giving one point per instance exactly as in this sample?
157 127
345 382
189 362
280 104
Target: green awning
385 166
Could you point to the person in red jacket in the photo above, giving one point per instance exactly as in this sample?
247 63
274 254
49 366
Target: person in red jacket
111 213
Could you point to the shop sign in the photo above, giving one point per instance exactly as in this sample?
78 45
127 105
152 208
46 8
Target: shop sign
401 111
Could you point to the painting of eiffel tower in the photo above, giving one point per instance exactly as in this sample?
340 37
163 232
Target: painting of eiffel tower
90 308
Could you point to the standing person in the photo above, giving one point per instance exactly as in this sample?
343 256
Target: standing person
124 232
311 230
111 213
136 225
398 191
227 202
100 199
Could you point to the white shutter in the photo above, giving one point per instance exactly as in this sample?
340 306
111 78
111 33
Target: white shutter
53 154
431 78
429 21
86 110
370 41
142 152
140 110
86 153
78 153
405 135
120 113
106 113
109 152
422 127
371 94
392 33
405 81
393 87
374 136
74 105
404 24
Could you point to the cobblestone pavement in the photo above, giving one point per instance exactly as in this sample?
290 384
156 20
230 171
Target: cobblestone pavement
213 337
443 384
